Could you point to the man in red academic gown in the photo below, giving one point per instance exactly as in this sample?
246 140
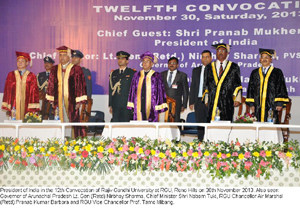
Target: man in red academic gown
67 89
21 91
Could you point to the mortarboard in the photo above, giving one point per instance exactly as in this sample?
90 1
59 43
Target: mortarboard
24 55
270 52
222 45
149 55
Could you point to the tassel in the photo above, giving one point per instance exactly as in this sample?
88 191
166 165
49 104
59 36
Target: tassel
275 55
228 48
155 60
69 52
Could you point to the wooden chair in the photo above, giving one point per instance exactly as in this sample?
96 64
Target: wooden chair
45 110
42 96
247 108
170 115
285 131
86 109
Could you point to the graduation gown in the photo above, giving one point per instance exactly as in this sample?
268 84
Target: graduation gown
222 91
266 91
22 93
88 81
154 95
73 92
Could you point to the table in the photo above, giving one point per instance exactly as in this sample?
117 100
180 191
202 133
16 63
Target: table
155 130
141 130
43 131
244 133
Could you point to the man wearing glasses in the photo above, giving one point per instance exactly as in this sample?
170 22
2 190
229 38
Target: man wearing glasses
266 89
176 86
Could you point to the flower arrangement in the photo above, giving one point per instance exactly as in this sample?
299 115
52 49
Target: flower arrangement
32 118
143 154
246 118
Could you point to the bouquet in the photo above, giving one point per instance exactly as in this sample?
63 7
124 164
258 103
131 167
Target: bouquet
246 118
32 118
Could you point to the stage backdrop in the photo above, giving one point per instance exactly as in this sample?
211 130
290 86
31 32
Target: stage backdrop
100 28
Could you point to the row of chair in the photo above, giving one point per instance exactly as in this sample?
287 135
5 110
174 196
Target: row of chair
243 108
88 115
98 116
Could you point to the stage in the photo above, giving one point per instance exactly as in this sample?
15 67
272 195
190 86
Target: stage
73 178
145 161
155 130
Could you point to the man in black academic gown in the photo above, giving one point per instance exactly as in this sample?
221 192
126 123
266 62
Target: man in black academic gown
119 86
176 86
266 89
222 84
196 92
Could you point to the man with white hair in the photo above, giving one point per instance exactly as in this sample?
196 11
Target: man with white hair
67 89
147 95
